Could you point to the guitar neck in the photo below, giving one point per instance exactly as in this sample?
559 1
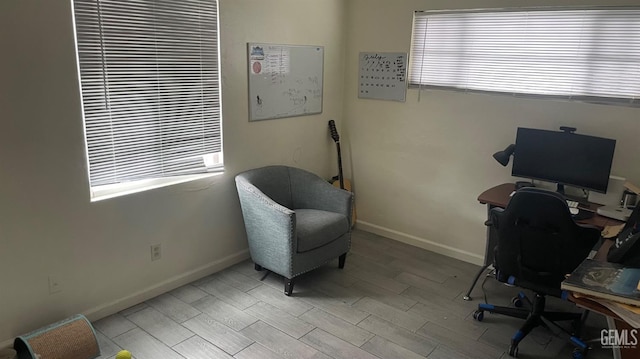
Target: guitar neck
340 176
336 138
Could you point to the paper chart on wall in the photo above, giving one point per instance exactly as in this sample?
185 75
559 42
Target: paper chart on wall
284 80
382 76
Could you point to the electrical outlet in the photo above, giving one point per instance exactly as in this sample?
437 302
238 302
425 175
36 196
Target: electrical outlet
156 252
55 286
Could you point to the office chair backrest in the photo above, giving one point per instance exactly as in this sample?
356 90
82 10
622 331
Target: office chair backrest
538 240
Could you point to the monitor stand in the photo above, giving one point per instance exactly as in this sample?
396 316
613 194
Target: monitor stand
583 201
522 184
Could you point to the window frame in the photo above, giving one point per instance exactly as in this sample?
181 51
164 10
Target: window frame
213 162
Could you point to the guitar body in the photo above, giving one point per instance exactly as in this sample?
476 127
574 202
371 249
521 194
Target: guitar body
339 181
347 184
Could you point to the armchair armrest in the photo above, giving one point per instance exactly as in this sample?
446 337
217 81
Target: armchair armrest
270 227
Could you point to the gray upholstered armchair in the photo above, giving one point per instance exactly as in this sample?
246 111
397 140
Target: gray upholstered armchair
295 220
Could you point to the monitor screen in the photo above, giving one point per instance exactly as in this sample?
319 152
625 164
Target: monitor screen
564 158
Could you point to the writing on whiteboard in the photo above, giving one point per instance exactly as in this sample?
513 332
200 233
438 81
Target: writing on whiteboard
284 80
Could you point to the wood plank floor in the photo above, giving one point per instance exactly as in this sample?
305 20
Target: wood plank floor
390 301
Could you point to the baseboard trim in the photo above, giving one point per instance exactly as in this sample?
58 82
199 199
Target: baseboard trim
421 243
107 309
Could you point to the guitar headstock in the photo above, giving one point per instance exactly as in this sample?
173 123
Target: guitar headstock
334 132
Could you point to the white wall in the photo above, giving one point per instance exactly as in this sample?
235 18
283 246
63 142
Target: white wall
419 166
100 251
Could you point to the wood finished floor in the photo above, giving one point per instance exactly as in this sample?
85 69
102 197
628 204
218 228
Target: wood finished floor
391 301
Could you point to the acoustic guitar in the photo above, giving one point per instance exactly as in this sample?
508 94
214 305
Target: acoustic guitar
339 180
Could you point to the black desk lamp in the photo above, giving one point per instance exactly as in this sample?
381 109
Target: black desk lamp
503 156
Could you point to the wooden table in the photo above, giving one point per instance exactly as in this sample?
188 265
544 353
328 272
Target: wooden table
619 323
500 195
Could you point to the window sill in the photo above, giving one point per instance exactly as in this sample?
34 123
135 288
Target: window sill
100 193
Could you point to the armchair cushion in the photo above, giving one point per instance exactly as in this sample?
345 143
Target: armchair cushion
315 228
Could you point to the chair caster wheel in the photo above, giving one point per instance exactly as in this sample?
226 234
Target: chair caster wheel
517 302
578 354
478 315
513 351
576 327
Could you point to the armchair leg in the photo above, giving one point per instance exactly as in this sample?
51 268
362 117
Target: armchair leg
341 260
257 267
288 286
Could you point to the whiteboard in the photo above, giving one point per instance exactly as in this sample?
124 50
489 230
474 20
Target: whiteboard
284 80
383 75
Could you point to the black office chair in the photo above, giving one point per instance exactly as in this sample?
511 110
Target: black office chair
538 244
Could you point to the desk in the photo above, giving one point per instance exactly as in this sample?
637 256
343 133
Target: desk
499 196
613 319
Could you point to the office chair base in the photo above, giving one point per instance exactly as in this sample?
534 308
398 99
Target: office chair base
478 315
534 317
579 353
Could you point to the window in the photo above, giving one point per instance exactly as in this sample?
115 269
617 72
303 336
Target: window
150 89
581 54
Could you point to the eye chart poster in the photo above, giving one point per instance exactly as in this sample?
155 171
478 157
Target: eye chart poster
383 76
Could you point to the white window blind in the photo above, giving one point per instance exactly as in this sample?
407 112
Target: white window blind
150 87
586 54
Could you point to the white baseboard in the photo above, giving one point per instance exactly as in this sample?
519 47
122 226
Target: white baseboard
421 243
107 309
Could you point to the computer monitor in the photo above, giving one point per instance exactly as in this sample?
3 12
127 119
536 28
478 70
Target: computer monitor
563 158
